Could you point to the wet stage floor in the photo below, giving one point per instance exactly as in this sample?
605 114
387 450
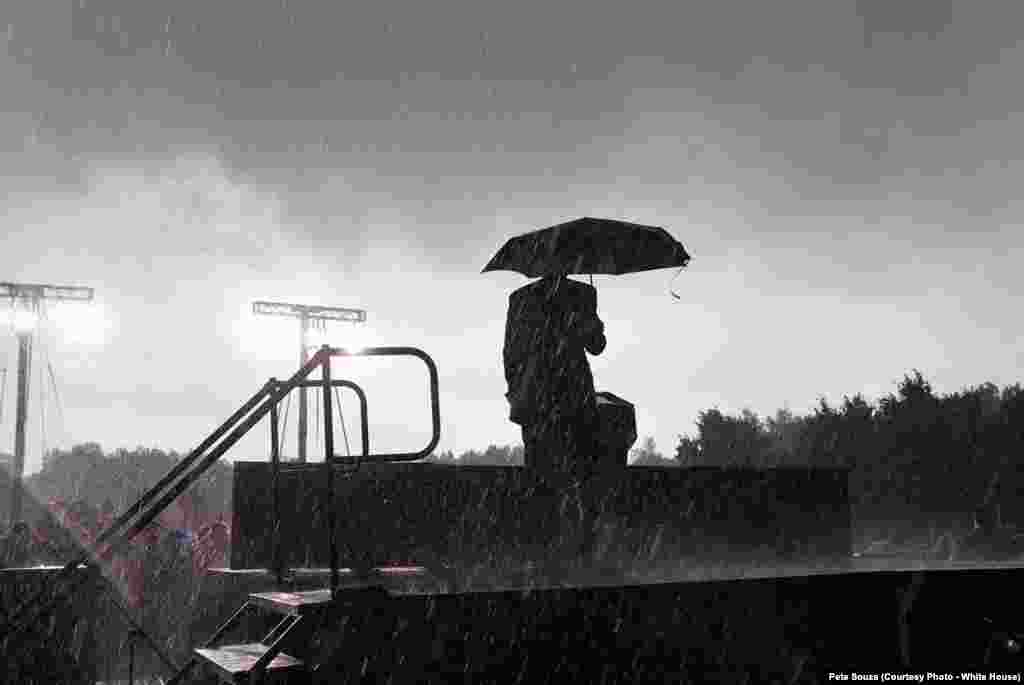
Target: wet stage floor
780 629
482 579
416 580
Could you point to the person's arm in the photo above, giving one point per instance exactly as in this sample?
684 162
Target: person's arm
512 353
592 327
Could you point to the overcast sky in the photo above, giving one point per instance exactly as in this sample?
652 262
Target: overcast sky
844 174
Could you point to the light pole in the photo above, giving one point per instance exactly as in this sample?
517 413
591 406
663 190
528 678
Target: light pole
3 391
306 314
24 308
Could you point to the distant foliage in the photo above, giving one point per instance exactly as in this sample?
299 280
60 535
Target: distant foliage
447 457
492 456
648 455
85 474
732 440
940 453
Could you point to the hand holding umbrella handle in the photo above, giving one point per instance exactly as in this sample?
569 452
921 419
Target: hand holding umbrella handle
592 333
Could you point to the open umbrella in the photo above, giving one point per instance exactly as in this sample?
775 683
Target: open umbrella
590 246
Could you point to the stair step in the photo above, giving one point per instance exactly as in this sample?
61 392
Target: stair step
292 603
302 603
234 662
389 572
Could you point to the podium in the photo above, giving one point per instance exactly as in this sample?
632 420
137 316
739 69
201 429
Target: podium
616 432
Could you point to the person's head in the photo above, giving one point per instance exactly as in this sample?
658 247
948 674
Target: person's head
219 533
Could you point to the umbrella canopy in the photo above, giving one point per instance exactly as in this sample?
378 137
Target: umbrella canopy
589 246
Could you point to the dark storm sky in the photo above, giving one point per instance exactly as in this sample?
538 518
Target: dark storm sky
845 175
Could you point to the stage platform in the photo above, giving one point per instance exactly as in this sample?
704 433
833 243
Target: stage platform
439 515
696 575
792 623
27 572
60 649
483 579
656 622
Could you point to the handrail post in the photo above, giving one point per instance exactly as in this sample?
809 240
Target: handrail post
131 658
275 458
329 465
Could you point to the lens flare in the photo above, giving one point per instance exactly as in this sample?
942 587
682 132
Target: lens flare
353 338
88 324
23 320
357 338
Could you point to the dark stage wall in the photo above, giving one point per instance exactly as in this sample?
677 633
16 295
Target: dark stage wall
429 513
781 630
63 650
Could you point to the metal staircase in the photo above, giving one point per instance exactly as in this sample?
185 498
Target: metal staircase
265 660
238 663
299 614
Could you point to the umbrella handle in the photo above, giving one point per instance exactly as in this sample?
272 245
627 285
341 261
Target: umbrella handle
671 292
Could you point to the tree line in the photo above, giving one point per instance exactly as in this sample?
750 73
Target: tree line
912 453
939 449
91 480
940 453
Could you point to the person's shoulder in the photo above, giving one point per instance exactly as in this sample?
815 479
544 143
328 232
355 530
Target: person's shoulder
578 290
529 290
580 285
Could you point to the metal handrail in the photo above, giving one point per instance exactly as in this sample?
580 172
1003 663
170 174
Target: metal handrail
325 354
434 399
278 560
178 469
275 460
265 401
332 528
361 394
269 398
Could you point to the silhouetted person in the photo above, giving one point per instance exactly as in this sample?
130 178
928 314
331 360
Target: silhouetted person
552 323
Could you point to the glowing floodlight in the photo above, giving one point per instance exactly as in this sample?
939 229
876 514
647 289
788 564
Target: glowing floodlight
312 318
24 320
315 337
25 299
356 339
45 292
80 323
309 312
